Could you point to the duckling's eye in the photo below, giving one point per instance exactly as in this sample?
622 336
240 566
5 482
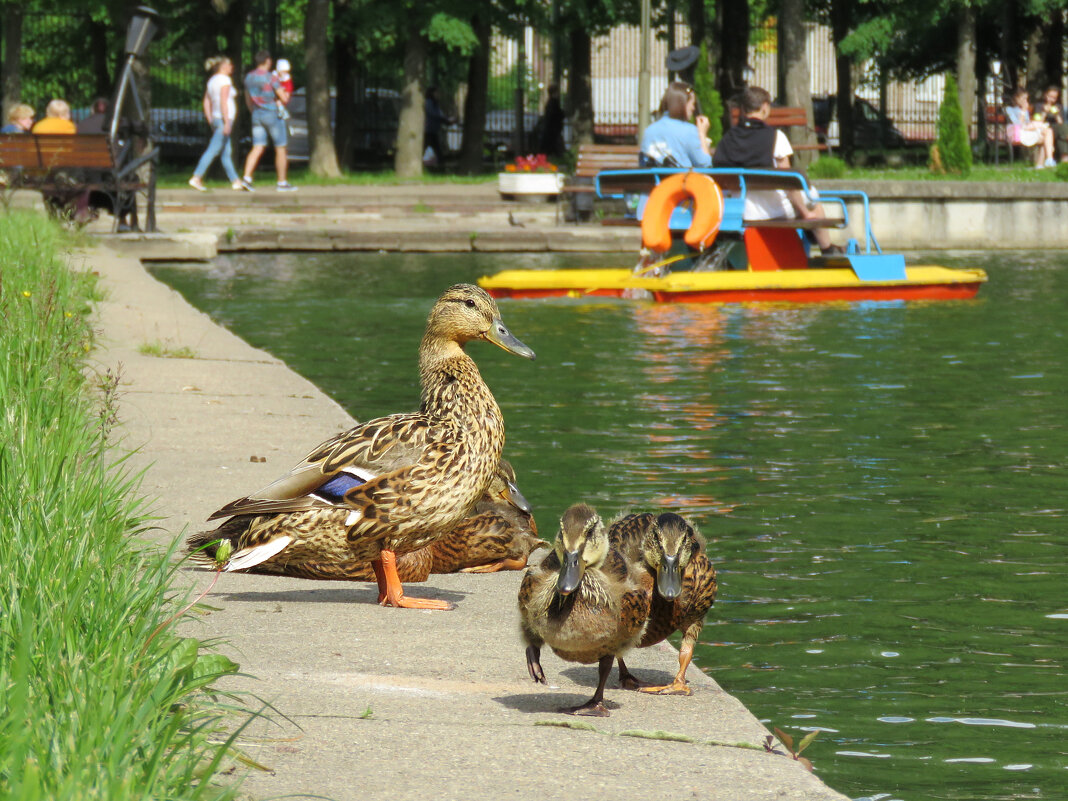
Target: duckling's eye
470 303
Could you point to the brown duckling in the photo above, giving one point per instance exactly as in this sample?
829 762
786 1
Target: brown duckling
673 551
584 601
394 484
498 535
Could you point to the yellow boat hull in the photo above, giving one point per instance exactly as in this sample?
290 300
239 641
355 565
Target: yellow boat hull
735 286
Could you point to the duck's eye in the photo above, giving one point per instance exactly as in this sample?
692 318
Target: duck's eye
470 303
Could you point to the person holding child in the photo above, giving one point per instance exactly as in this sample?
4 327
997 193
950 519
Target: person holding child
1053 114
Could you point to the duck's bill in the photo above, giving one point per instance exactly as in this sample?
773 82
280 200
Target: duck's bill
570 574
517 498
669 578
500 336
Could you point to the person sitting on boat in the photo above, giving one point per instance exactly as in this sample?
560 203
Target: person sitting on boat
752 144
677 138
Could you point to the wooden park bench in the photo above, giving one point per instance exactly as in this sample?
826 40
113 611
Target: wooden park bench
593 159
75 170
784 117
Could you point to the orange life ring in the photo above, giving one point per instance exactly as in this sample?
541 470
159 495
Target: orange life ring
707 211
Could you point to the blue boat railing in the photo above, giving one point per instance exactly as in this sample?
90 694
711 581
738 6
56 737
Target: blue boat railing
734 200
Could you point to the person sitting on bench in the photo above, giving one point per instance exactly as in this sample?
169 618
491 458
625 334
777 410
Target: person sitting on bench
751 144
673 140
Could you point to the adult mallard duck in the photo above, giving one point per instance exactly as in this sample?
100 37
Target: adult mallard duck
584 601
499 534
673 551
395 484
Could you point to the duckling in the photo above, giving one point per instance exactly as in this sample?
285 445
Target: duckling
673 551
584 601
499 534
394 484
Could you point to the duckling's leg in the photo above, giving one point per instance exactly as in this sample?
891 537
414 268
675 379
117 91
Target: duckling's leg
534 664
493 567
679 685
595 706
390 591
627 680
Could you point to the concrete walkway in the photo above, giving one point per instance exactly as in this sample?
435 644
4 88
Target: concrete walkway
376 703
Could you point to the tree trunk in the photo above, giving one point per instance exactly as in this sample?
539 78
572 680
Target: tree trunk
1040 44
840 23
103 82
1054 66
322 157
733 23
698 19
580 87
966 82
12 83
408 159
345 80
478 67
794 82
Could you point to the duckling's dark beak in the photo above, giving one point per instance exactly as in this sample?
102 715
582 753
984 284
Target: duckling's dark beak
669 578
570 574
500 336
517 499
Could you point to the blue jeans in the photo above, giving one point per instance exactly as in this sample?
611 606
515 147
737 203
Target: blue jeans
219 141
266 122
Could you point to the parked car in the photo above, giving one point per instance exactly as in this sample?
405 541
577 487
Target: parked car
871 129
181 134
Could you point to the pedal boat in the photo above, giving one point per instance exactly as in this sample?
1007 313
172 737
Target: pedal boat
738 260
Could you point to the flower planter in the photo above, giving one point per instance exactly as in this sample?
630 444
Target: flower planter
529 186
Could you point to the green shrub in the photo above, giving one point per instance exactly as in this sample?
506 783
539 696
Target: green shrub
708 98
954 146
829 167
98 697
1061 171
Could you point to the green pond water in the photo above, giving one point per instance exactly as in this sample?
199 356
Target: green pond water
881 485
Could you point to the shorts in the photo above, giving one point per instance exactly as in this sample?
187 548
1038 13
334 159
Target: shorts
266 122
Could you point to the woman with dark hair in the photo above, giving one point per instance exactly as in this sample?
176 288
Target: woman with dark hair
677 139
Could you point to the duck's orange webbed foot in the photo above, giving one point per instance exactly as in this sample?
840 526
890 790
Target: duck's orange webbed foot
675 688
391 592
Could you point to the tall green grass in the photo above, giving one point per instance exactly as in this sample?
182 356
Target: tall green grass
98 698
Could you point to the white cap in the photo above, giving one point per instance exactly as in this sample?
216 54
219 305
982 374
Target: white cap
282 65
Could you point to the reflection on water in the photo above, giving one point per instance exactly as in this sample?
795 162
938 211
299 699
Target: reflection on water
881 484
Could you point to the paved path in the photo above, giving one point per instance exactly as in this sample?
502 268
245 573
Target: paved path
375 703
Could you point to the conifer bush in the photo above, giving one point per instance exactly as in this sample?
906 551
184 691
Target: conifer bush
954 146
710 103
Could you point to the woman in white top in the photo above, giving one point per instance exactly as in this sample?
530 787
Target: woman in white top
219 110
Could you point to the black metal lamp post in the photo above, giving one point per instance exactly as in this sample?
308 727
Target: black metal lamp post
144 24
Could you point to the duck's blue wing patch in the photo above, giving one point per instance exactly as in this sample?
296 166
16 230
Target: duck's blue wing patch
333 491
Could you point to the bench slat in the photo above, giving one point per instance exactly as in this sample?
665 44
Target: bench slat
37 152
